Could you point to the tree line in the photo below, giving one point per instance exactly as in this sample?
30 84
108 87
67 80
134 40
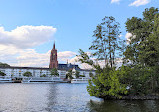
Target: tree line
139 73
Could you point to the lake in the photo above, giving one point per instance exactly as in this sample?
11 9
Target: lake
63 97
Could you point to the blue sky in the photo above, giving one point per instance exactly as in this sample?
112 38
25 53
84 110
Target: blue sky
74 21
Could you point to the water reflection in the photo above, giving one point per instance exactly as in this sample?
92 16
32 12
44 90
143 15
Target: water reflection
22 97
51 97
64 98
68 98
124 106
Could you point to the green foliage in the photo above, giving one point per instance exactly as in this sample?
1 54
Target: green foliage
139 76
54 72
141 80
4 65
27 74
69 74
143 52
107 84
143 48
90 74
106 41
82 76
43 75
77 74
85 58
2 74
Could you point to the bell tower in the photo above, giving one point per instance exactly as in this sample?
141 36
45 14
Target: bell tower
53 58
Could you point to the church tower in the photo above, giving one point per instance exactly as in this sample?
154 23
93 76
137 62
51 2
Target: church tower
53 58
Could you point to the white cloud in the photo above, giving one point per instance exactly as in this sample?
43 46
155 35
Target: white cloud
139 2
127 36
118 63
74 60
115 1
29 57
66 55
120 35
26 36
16 46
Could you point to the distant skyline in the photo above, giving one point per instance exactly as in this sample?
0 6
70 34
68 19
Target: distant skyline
28 28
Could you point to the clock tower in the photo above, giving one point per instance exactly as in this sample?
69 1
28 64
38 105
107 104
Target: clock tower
53 58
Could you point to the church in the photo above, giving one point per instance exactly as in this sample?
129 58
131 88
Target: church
15 71
54 62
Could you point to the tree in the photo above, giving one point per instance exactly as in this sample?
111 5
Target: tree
106 83
90 74
136 78
4 65
82 76
105 43
144 41
69 74
77 74
43 75
27 74
2 74
143 49
54 72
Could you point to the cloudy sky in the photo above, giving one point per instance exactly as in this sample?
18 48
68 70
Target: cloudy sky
28 28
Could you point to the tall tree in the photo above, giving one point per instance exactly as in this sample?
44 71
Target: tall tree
143 49
77 74
144 38
105 83
69 74
54 72
105 43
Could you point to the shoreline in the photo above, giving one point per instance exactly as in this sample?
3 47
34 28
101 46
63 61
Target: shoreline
147 97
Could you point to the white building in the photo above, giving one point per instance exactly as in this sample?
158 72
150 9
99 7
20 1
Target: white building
13 71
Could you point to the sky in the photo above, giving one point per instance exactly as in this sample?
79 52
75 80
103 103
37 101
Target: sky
28 28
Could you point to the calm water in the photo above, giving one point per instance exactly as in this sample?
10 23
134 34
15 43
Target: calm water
63 97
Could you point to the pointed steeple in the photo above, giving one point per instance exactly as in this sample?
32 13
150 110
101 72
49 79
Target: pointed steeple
54 45
53 58
67 61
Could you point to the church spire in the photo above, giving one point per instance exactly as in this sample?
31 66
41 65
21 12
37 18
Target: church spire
53 58
54 45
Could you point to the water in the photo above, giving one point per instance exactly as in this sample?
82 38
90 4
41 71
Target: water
63 97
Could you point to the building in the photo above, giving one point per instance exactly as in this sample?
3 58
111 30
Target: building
53 58
13 71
